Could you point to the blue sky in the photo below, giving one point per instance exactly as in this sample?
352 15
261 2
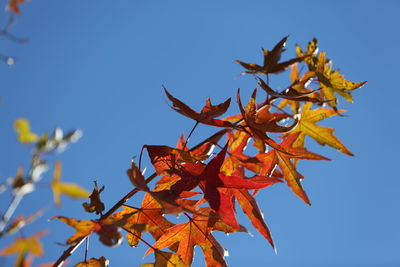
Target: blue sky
100 66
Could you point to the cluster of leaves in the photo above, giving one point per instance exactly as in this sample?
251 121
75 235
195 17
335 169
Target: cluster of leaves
206 187
23 184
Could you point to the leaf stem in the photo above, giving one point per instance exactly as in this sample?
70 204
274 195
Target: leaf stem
190 134
10 211
68 252
86 248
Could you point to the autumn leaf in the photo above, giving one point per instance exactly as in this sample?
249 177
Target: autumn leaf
95 204
136 177
149 217
288 168
109 234
290 93
23 129
238 141
83 227
299 85
13 5
197 232
250 207
93 262
207 114
166 259
311 52
323 135
271 60
333 82
214 185
258 130
23 246
68 189
165 159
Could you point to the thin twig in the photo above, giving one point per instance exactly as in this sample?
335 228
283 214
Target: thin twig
69 251
6 32
86 248
10 210
190 134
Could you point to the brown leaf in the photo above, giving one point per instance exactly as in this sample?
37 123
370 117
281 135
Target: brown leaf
206 116
95 204
271 61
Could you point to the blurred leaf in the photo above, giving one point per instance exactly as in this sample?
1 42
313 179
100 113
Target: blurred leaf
13 5
23 246
68 189
108 233
23 129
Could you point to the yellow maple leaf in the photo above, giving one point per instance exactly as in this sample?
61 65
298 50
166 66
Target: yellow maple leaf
23 129
323 135
68 189
83 227
333 82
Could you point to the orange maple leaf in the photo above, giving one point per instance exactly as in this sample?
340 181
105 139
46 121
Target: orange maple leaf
197 231
23 246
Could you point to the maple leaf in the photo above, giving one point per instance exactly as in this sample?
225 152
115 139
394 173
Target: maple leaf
23 129
197 231
166 259
13 5
323 135
333 82
109 234
95 204
165 158
68 189
23 246
258 130
299 84
271 59
250 207
207 114
238 141
93 262
214 185
311 53
149 217
283 160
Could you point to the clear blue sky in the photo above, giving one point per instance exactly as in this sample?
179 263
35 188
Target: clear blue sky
100 66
